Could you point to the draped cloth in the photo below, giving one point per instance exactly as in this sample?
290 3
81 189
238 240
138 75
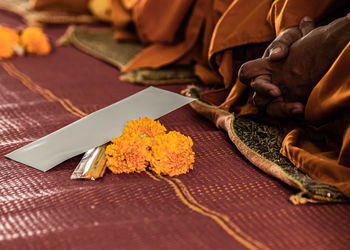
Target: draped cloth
323 149
217 36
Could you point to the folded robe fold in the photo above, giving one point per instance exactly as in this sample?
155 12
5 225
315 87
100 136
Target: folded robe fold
323 150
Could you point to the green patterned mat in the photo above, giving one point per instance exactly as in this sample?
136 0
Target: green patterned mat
101 44
260 143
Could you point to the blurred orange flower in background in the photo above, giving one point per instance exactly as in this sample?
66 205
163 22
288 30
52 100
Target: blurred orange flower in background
8 38
35 41
12 33
32 40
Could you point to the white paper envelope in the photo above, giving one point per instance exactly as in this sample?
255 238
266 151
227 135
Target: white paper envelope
97 128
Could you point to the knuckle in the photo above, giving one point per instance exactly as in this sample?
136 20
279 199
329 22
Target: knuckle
276 44
289 36
242 73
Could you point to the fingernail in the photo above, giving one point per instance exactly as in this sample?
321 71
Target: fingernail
276 50
274 92
307 19
297 111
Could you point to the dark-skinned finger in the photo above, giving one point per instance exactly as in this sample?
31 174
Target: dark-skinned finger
284 110
254 68
279 52
263 86
261 101
279 47
306 25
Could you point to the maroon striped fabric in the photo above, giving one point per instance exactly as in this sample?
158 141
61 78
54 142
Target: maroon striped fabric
225 203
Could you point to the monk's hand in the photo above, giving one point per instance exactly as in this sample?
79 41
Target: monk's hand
283 86
278 48
268 96
309 59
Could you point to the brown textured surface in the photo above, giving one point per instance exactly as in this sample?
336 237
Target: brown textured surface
225 203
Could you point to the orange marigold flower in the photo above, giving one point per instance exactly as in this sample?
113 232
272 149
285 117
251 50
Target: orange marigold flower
128 154
172 154
8 39
144 126
35 41
12 32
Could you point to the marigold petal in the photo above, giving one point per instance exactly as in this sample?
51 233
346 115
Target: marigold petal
127 154
35 41
172 154
144 126
144 143
8 38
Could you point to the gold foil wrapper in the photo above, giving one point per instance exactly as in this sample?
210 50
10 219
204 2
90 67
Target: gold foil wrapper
93 164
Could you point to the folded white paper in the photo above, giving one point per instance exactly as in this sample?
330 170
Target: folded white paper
97 128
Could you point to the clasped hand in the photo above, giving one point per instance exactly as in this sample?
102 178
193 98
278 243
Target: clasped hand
292 65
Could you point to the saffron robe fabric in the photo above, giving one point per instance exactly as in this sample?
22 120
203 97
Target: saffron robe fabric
73 6
323 149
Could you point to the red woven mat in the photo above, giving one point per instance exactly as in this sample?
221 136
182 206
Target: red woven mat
225 203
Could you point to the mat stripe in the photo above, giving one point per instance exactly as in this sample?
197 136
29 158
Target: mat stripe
224 217
221 219
47 94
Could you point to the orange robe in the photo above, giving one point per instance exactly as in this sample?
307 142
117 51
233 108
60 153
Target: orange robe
73 6
217 36
323 149
174 29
